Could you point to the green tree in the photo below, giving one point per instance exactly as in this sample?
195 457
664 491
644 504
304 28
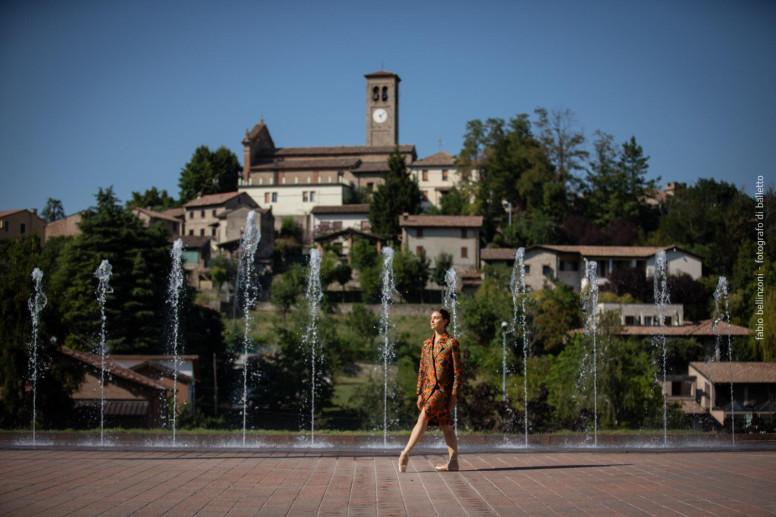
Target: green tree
397 195
452 202
512 166
139 258
443 262
53 210
19 257
152 198
410 273
711 218
342 274
287 288
556 313
616 182
209 172
562 142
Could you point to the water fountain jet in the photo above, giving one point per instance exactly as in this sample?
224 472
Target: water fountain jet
36 304
103 274
519 291
388 290
175 290
250 242
314 296
661 300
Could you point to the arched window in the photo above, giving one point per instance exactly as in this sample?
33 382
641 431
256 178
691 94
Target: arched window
376 93
385 93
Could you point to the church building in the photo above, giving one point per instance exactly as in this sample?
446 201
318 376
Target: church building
294 180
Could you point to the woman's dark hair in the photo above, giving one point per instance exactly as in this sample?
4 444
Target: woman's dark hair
445 315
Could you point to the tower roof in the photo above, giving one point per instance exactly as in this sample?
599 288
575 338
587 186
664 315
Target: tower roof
382 73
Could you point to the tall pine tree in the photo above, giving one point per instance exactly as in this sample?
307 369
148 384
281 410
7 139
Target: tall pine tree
399 194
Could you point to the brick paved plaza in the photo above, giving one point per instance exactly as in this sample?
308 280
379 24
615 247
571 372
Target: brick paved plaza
257 482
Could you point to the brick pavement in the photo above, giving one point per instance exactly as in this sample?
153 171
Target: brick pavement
258 482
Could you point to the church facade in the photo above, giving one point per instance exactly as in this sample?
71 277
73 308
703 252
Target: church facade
292 181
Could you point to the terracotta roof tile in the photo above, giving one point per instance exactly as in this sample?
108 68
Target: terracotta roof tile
443 221
440 159
338 150
156 215
4 213
213 199
749 372
702 328
307 164
497 253
341 209
608 251
110 366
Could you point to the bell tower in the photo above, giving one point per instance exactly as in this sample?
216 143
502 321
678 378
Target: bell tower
382 109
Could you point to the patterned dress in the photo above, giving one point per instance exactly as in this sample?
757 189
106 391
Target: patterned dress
439 376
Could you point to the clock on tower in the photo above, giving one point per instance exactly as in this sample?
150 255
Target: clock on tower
382 109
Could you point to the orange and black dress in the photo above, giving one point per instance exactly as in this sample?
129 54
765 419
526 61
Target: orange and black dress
439 376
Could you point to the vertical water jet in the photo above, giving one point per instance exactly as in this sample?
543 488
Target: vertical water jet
36 304
174 294
103 274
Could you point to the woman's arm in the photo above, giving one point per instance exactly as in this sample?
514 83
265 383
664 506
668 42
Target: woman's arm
457 368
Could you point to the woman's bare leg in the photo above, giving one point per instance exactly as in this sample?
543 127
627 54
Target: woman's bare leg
417 431
450 439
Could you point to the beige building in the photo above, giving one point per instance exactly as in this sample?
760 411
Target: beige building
705 390
222 217
436 175
457 235
294 180
172 225
65 227
17 223
646 314
545 263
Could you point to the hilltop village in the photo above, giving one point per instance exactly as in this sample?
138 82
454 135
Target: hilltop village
526 183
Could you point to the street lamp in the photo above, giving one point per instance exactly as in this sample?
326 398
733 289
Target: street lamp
508 207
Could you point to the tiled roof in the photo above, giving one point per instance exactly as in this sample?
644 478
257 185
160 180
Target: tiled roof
341 209
297 164
750 372
702 328
213 199
497 253
440 159
609 251
381 166
157 215
4 213
194 241
174 212
110 366
441 221
338 150
381 73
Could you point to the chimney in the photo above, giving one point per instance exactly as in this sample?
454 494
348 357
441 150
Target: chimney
34 211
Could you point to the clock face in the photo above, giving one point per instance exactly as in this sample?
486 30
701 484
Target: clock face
379 115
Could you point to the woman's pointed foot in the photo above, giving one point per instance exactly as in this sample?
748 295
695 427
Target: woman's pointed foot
404 459
450 466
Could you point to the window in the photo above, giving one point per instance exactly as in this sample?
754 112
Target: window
304 197
274 197
444 175
668 321
547 270
376 93
202 213
419 233
527 269
424 193
630 320
202 232
464 252
312 196
266 197
191 214
385 93
214 212
419 251
648 321
23 228
463 233
569 265
6 226
370 186
425 175
213 232
191 232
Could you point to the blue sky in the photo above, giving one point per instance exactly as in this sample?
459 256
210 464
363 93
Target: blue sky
96 93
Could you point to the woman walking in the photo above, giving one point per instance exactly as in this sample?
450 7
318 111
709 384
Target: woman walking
439 382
